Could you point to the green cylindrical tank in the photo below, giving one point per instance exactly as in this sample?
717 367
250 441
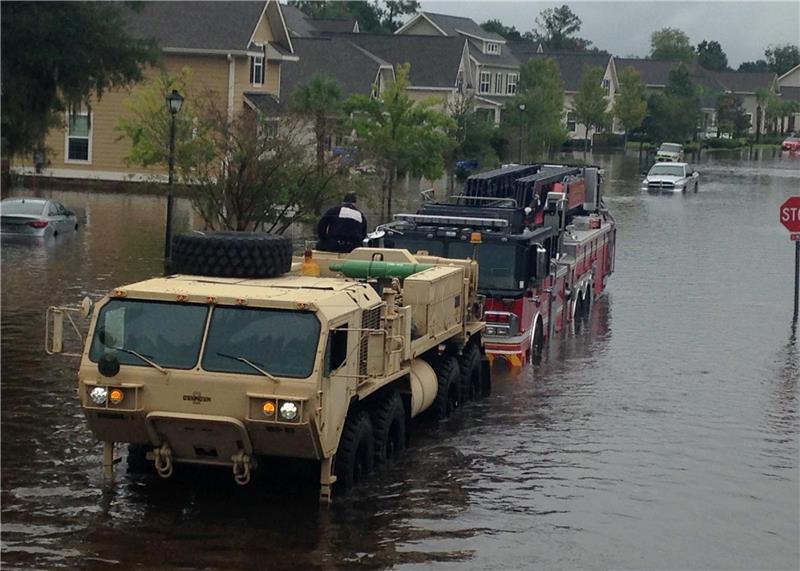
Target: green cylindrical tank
377 269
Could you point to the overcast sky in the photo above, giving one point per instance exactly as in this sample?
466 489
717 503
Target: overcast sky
744 29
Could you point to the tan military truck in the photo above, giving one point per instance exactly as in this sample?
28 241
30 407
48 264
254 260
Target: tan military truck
239 355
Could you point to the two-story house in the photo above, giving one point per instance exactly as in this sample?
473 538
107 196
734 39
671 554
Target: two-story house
235 51
492 70
789 86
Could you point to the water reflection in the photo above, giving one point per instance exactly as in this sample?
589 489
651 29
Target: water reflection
663 434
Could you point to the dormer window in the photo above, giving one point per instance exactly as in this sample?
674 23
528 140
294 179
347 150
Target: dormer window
491 48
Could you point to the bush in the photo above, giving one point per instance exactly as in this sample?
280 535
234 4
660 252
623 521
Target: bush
715 143
608 140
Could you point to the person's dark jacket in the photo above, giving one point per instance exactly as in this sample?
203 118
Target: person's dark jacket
341 228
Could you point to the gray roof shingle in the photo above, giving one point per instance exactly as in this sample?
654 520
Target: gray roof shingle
790 93
743 81
505 58
452 25
196 25
297 23
570 64
434 59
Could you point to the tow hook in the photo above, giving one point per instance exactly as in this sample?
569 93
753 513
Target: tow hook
241 468
163 458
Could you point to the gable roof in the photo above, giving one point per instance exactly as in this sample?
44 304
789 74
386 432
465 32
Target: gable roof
505 58
453 26
296 21
214 26
335 57
570 64
654 72
334 25
744 81
434 60
301 26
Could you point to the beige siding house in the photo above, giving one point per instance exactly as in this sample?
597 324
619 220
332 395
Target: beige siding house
789 87
233 50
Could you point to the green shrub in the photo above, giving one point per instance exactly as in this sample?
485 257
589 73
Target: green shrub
714 143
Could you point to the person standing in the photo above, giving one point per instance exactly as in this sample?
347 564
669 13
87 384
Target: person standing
342 228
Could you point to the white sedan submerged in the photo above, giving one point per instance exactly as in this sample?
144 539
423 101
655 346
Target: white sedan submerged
36 217
671 177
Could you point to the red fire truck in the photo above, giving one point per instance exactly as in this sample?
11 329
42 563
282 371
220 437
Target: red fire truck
544 242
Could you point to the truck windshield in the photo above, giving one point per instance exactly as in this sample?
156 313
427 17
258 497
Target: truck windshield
667 170
169 334
281 342
497 264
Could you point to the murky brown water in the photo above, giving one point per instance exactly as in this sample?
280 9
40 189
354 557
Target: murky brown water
663 437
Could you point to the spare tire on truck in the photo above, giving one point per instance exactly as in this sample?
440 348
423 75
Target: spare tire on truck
231 254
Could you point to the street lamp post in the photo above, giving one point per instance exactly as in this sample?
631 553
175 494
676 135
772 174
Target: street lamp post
174 103
521 109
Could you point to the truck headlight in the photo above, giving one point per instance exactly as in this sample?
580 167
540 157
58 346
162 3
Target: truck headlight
490 331
288 410
99 395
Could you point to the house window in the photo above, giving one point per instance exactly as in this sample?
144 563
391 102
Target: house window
498 83
571 123
606 87
511 84
257 70
486 82
491 48
79 138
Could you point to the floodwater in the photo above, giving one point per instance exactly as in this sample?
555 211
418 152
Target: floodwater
663 436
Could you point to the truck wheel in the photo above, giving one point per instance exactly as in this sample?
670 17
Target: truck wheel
537 343
137 458
389 422
356 453
231 254
470 368
448 393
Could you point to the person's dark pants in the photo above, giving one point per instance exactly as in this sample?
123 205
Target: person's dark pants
337 245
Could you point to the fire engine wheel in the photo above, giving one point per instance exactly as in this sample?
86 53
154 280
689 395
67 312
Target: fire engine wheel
448 393
389 422
470 367
137 458
356 454
231 254
537 343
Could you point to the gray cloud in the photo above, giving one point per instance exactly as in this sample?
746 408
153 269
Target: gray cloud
745 29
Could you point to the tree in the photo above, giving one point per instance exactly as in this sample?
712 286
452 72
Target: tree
674 114
146 124
671 44
394 9
782 58
589 104
400 135
541 92
473 135
630 104
508 32
554 28
57 56
711 56
754 66
319 101
731 117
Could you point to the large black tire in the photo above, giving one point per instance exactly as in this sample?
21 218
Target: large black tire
470 366
137 459
389 424
448 393
231 254
356 455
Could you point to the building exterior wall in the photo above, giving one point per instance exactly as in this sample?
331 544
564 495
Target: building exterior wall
422 28
792 79
263 33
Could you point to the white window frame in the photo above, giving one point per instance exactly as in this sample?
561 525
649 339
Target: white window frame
572 120
607 87
257 61
487 83
67 137
498 83
491 48
511 84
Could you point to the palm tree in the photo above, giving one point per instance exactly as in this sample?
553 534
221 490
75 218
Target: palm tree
762 96
320 101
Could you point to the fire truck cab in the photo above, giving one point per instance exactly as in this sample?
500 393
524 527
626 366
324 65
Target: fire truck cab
543 240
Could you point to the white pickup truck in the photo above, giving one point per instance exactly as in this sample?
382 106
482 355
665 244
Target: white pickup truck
671 177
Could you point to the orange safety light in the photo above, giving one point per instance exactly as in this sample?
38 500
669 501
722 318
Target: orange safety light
116 396
269 408
475 238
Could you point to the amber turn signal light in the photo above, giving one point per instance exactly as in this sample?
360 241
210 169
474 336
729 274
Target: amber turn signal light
269 408
116 396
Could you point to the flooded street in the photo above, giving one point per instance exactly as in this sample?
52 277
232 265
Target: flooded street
663 436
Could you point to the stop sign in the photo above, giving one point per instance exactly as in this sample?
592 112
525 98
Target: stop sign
789 213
